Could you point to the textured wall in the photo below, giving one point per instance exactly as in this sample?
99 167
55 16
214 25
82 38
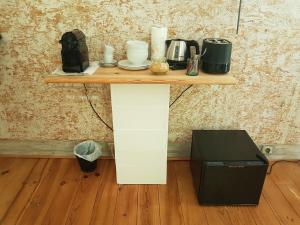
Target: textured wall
266 61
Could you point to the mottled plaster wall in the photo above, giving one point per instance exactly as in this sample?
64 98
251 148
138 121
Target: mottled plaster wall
266 61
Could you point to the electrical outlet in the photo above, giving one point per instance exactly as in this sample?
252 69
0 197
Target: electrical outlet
267 149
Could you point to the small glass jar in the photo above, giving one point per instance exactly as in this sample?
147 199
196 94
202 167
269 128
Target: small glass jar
159 67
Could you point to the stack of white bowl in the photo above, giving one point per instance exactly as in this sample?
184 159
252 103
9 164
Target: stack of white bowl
137 52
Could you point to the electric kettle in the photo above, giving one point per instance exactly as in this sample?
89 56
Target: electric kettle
178 52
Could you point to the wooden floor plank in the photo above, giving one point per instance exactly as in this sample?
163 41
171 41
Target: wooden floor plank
126 210
148 205
286 181
263 214
25 193
12 181
279 176
105 205
286 214
217 215
193 214
5 163
55 191
11 168
63 196
169 199
240 215
292 194
290 170
82 206
42 197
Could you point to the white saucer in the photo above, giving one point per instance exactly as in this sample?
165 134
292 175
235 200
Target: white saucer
126 65
112 64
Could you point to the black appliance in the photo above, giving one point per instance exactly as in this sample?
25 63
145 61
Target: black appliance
74 52
179 51
216 56
227 167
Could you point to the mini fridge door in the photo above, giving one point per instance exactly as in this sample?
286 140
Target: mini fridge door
230 183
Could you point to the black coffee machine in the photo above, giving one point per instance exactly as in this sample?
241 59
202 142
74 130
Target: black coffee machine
178 52
74 52
216 55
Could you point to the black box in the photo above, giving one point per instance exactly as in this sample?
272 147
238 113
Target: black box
227 167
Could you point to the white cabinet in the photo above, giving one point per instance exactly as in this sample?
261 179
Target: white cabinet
140 119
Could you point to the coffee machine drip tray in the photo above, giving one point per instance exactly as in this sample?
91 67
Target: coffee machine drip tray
175 65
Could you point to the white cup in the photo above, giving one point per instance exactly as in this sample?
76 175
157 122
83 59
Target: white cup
137 52
137 57
108 58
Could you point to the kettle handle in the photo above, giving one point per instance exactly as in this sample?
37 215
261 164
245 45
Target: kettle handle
168 42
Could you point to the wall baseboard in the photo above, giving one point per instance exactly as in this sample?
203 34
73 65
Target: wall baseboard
284 152
64 149
45 148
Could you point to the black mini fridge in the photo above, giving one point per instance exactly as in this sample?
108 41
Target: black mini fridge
227 167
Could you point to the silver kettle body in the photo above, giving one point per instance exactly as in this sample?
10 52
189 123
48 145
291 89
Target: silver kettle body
177 50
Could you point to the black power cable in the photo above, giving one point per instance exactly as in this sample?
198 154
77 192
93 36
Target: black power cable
109 127
96 113
180 95
280 161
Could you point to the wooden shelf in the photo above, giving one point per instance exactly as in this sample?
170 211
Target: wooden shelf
116 75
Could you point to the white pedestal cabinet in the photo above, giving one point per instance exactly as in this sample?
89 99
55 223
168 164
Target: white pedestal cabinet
140 120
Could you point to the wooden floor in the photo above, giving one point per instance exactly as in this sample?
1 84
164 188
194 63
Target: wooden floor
54 191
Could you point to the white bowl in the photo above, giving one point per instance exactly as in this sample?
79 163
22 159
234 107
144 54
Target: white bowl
137 44
137 51
137 57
